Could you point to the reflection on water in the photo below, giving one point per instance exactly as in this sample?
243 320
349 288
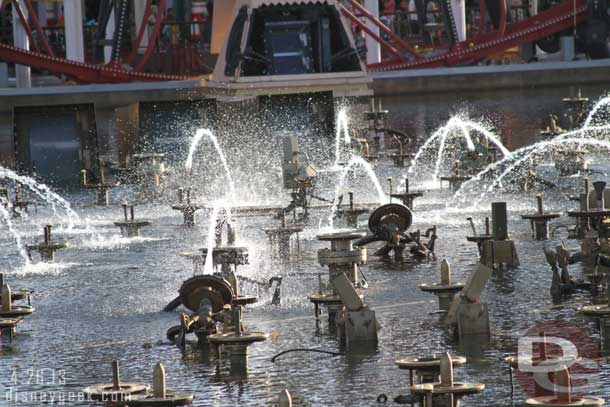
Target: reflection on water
89 314
103 300
516 115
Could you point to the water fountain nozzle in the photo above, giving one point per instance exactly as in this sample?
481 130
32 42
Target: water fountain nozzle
599 187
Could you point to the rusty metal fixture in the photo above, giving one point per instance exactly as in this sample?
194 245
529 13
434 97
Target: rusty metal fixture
377 132
18 205
160 396
102 188
573 115
280 237
149 170
47 247
563 396
211 299
236 339
8 326
599 310
11 315
22 294
456 178
495 247
426 369
407 197
342 257
351 213
185 206
571 162
356 322
299 176
539 221
479 238
445 290
226 260
562 282
209 287
117 391
593 227
401 156
130 227
389 223
447 387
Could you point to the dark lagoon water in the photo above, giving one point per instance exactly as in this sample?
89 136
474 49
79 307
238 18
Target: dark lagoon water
102 300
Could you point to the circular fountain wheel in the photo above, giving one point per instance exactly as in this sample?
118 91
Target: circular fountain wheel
16 312
390 214
213 288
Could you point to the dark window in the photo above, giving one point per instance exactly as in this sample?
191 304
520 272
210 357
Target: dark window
297 39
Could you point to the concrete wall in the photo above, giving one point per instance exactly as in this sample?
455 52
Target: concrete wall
111 118
489 78
7 142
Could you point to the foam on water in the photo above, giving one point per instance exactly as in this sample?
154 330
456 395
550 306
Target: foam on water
116 241
42 268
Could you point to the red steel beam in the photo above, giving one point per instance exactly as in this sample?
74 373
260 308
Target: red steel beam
34 18
502 27
532 29
404 46
482 16
153 38
82 72
143 26
370 32
26 25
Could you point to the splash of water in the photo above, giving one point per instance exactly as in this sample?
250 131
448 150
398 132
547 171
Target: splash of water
355 161
44 192
199 135
4 210
342 128
605 101
208 267
456 126
519 162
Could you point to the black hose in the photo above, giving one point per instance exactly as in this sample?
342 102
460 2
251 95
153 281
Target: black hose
306 350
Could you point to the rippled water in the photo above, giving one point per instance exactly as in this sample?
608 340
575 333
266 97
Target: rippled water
102 299
106 305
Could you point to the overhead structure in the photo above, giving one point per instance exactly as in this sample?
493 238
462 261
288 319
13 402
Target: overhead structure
304 45
276 41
